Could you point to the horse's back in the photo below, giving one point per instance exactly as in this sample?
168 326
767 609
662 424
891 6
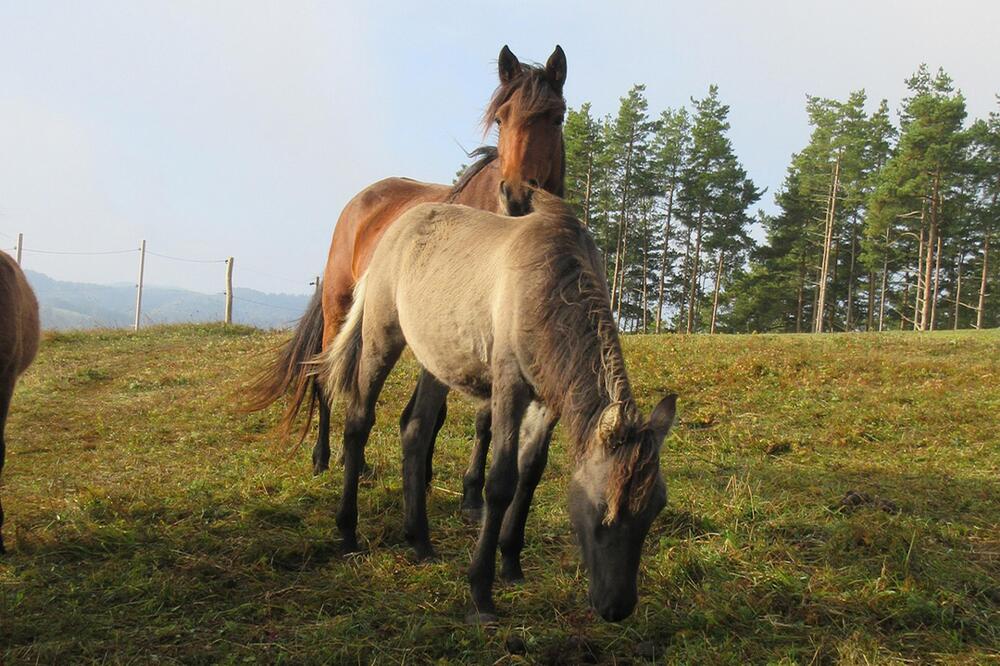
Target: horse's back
19 326
361 225
438 274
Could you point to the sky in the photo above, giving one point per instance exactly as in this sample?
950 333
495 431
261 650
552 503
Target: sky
217 129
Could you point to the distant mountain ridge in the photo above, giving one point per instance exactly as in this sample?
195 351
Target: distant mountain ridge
80 305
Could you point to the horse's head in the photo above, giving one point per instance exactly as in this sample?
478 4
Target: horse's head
528 109
615 494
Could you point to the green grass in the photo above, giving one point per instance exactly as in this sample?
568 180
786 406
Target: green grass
149 523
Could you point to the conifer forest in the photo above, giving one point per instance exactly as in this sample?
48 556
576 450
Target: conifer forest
885 218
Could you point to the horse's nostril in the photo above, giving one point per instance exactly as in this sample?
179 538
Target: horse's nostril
533 182
503 190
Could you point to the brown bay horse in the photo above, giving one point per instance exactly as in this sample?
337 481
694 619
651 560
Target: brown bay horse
514 313
528 109
19 333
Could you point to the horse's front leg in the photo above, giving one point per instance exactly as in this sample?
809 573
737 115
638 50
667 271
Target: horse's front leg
418 426
475 475
510 399
533 454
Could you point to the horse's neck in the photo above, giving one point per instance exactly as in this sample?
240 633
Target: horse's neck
482 189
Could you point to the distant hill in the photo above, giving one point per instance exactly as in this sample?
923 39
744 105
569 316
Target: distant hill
69 305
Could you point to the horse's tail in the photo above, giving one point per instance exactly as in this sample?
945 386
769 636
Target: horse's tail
289 370
337 367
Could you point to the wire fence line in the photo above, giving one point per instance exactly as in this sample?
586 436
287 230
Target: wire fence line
19 248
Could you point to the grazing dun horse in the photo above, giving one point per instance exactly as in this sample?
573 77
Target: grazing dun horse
527 108
514 311
19 335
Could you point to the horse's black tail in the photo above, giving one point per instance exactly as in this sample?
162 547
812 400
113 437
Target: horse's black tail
289 370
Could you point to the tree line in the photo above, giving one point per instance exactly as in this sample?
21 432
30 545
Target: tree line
879 224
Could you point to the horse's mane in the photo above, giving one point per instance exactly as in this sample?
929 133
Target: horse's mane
486 154
578 361
538 96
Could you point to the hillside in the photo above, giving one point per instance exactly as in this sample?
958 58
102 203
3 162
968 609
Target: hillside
149 522
79 305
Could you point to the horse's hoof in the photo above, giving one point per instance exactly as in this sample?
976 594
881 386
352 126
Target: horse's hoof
350 547
424 553
473 514
481 619
319 468
511 574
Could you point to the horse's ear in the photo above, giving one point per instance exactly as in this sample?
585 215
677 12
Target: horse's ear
611 425
663 416
508 65
555 69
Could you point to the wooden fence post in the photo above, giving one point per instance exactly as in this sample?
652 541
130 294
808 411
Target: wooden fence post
138 293
229 291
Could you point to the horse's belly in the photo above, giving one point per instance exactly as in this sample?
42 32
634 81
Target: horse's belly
458 354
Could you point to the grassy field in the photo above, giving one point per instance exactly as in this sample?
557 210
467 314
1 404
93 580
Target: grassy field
149 523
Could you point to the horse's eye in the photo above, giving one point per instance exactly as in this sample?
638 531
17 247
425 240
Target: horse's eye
559 121
497 121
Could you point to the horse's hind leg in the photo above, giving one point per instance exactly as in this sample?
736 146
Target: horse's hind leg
439 423
321 452
475 475
418 426
373 368
536 433
442 415
6 392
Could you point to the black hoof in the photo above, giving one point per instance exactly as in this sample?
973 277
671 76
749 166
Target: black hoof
350 547
319 467
511 573
473 515
481 618
424 552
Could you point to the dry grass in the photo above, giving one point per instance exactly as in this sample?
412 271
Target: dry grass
150 523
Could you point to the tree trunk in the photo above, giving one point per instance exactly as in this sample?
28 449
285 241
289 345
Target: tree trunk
682 310
920 271
645 271
802 287
982 285
663 260
870 314
932 239
850 277
696 261
937 273
885 279
958 291
827 242
622 227
715 296
586 195
621 278
906 296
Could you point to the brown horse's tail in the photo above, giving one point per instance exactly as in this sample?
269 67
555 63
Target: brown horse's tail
337 367
290 370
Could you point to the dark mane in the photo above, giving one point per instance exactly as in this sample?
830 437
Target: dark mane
486 154
578 361
538 95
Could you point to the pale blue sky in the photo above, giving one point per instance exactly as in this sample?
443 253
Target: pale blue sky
241 128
